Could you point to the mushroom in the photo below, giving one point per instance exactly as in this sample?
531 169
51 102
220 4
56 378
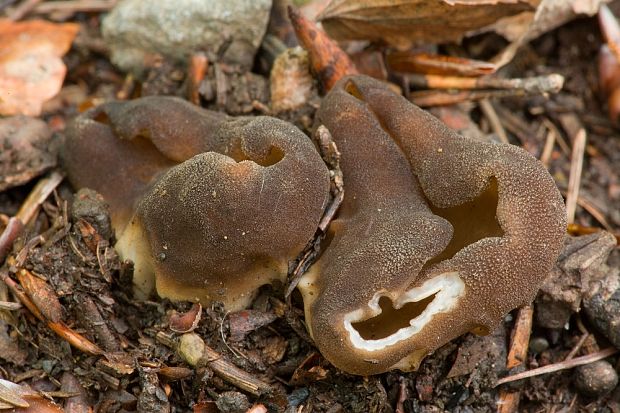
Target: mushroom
208 207
438 235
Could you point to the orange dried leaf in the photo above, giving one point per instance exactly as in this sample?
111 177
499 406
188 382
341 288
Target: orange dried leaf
31 69
329 62
41 294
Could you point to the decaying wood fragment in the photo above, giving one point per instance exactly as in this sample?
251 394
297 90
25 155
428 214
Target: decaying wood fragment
201 354
427 98
509 400
551 83
520 337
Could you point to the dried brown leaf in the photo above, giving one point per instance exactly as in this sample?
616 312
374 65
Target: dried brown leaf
11 393
31 71
23 399
404 22
188 321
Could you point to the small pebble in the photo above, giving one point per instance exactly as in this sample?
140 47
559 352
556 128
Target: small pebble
232 402
596 379
538 345
191 348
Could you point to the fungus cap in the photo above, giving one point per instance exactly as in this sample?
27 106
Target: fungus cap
208 208
118 148
438 235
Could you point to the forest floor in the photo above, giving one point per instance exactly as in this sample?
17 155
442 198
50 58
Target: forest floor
94 287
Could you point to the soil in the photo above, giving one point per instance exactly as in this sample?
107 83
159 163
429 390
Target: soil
141 370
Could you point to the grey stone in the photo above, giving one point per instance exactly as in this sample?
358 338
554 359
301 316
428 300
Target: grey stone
596 379
140 30
538 345
232 402
602 306
191 348
581 264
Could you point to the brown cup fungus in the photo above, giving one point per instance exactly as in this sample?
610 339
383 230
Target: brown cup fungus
438 235
208 207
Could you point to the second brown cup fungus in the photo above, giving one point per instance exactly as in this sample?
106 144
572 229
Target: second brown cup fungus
208 207
438 235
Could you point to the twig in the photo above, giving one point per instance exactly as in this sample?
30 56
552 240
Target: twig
551 83
75 339
238 354
558 136
428 98
38 195
509 400
28 209
517 126
197 70
9 305
563 365
520 337
20 294
23 9
193 349
577 347
8 236
593 210
71 7
489 111
590 207
331 156
574 179
127 88
545 156
234 375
